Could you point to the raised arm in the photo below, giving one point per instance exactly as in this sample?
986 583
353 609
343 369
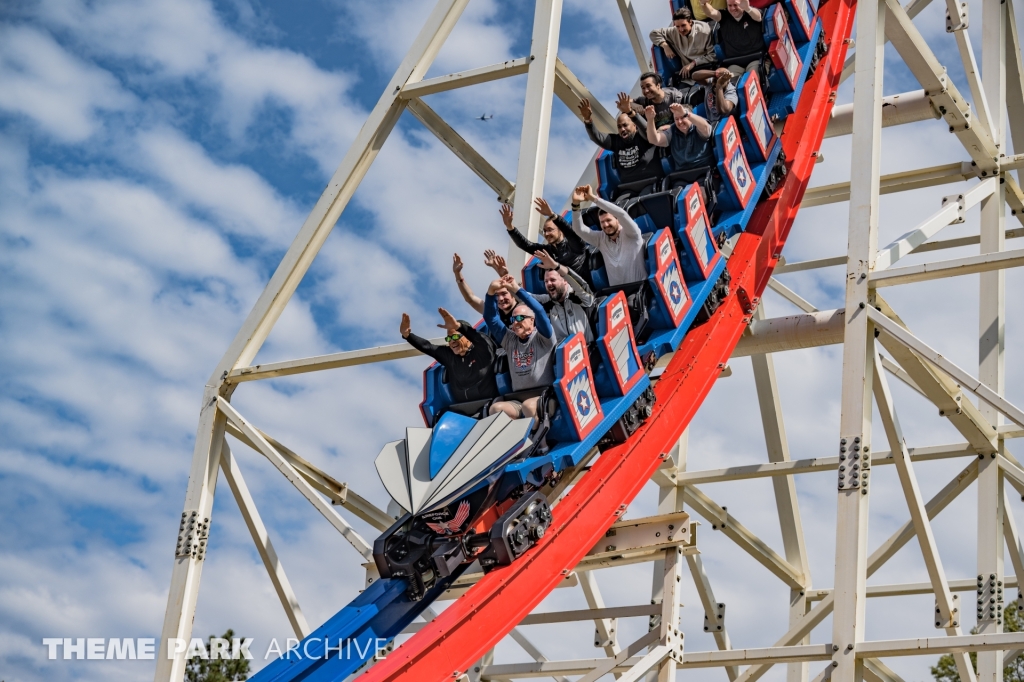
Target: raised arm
592 237
417 342
710 11
656 137
629 228
752 12
517 237
581 288
495 327
600 139
495 262
467 294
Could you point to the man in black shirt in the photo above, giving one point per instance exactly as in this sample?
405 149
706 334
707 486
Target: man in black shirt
635 158
654 96
739 33
468 357
561 243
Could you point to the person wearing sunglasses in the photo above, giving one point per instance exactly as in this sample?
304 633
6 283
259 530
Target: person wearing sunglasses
468 356
529 343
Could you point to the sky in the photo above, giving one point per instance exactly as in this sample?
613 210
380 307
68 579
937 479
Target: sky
157 158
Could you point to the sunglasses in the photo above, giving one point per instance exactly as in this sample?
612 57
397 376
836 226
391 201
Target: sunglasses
452 337
520 318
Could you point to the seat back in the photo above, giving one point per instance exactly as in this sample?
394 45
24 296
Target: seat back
760 134
607 175
700 253
671 299
664 66
575 391
782 51
738 181
437 397
620 367
533 277
802 19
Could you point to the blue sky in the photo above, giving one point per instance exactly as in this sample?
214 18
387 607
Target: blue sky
156 159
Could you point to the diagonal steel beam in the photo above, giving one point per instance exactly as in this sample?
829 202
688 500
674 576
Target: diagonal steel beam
922 62
253 521
754 546
339 493
947 612
433 122
296 479
938 387
876 560
1012 412
952 210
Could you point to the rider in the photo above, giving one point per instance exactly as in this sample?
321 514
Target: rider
529 345
560 242
468 356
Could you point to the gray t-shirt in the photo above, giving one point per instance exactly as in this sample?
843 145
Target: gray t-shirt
531 362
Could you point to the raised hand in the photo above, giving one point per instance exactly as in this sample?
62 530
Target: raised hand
649 112
495 262
495 286
579 194
457 264
542 207
406 327
510 283
450 323
585 111
506 216
624 103
589 192
546 261
745 5
722 78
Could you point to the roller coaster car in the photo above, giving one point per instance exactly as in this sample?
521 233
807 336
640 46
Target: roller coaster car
471 486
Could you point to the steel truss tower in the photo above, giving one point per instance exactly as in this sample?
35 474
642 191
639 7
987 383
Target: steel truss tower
865 326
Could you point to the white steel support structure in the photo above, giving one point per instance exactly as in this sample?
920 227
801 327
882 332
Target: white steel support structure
974 402
858 359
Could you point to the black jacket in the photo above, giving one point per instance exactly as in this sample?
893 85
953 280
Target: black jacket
470 376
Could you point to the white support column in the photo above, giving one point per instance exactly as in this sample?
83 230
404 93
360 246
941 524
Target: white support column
533 144
188 566
260 537
858 344
992 307
670 499
669 634
785 490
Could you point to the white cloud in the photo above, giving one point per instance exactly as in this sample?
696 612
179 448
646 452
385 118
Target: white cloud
58 91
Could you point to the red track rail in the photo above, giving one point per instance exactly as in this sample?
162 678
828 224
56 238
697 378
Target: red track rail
449 644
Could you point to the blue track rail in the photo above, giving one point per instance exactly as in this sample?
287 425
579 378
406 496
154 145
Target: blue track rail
354 635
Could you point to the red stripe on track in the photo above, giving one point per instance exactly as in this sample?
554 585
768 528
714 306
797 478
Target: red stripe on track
489 610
